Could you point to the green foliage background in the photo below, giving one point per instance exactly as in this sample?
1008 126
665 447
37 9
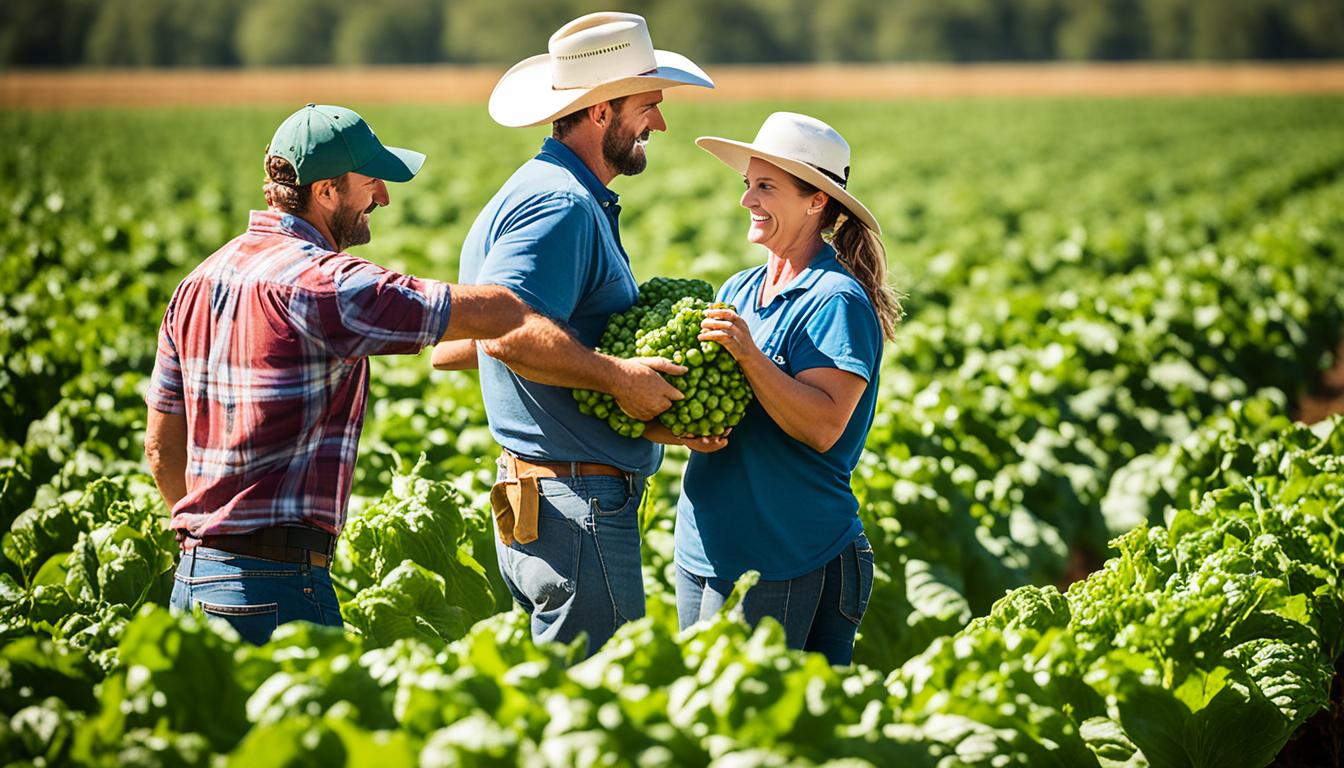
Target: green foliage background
1112 307
227 33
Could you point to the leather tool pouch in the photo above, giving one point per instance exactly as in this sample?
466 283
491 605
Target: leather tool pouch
514 502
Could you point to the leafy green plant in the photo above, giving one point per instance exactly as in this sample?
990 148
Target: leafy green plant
1113 306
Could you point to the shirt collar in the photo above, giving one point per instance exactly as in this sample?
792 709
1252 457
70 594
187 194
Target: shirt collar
820 264
287 224
558 152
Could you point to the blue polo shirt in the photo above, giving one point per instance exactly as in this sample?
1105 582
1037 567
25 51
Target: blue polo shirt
769 502
551 235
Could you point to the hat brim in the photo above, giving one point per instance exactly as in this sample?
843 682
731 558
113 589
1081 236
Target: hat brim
737 155
393 164
524 96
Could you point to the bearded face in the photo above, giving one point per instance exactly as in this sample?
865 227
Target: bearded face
623 148
350 226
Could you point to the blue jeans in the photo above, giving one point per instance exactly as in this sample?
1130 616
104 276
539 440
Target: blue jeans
253 595
582 574
820 611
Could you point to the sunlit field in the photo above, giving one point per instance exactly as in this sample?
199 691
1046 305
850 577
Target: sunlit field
1100 537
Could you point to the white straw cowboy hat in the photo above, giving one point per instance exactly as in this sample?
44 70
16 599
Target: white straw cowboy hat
801 145
592 59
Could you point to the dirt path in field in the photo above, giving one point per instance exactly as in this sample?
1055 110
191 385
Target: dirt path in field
1327 397
157 88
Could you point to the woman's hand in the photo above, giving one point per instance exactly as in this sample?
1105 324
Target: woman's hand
813 408
658 433
707 444
729 329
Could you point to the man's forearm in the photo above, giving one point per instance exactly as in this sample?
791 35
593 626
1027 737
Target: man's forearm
170 477
531 344
456 355
484 312
656 432
540 350
166 454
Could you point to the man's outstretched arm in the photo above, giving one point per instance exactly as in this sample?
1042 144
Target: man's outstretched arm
539 349
455 355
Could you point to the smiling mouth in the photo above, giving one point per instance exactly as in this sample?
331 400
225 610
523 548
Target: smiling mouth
369 210
759 217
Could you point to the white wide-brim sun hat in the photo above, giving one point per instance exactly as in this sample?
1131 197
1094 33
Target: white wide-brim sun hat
592 59
803 146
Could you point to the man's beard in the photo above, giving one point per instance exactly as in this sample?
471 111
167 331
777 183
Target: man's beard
349 227
621 150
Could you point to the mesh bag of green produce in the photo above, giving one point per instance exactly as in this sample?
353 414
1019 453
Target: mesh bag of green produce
665 322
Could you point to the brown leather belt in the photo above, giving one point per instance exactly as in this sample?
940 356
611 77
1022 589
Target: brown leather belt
519 468
286 544
514 499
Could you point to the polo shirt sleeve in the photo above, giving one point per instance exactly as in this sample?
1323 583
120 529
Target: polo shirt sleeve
359 309
537 254
166 393
843 333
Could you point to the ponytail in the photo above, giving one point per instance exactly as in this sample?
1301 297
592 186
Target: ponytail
860 250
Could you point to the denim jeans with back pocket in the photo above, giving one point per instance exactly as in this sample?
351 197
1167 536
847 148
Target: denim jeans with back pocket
253 595
582 575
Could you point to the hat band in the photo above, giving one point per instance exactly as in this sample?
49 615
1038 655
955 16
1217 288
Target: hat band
842 181
583 87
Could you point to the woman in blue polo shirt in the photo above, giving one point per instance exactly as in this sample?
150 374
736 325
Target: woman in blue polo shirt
808 333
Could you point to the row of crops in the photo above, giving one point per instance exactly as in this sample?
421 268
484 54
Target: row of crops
1113 307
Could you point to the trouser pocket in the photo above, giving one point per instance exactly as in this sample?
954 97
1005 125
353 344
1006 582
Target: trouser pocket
545 570
253 623
252 594
856 577
615 513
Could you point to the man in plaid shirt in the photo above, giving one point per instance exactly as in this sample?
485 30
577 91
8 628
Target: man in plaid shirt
258 394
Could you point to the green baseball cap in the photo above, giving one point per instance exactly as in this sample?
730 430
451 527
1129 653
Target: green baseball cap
323 142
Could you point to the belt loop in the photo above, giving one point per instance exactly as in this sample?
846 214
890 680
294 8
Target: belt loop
191 569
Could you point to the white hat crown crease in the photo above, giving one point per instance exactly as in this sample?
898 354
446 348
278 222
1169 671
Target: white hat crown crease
805 139
800 145
594 58
583 56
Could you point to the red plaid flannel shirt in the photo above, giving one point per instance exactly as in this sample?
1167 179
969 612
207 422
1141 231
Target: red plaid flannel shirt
265 348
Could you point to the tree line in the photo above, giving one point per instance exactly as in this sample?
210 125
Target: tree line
248 33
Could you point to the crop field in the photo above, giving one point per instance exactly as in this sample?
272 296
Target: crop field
36 89
1101 539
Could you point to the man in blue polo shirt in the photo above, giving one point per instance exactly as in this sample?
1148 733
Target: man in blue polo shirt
570 487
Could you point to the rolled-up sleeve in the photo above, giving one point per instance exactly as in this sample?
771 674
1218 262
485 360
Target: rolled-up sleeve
361 309
165 383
